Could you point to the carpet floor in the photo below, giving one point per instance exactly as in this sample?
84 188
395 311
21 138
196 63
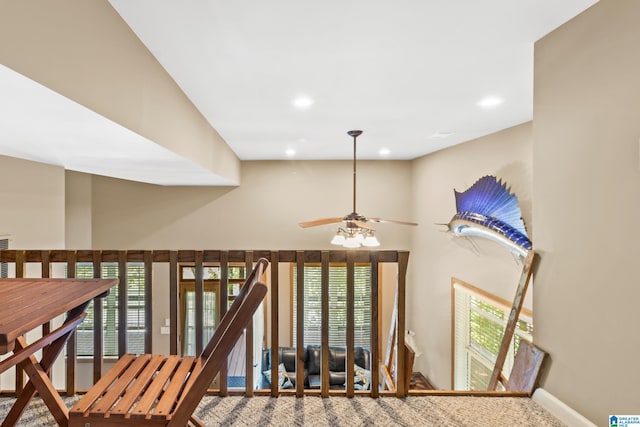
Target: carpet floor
340 411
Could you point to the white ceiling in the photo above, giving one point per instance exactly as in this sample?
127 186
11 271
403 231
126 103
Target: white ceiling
402 71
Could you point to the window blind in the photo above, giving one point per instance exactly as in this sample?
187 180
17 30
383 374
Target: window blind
312 310
4 270
135 311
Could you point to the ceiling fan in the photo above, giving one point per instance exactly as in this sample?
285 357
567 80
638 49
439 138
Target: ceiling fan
356 232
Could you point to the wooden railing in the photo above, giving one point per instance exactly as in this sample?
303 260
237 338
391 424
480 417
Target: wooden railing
21 260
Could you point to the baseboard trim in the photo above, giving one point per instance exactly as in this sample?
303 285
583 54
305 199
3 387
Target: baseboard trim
560 410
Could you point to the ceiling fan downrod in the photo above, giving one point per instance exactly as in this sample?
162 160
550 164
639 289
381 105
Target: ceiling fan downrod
355 134
356 232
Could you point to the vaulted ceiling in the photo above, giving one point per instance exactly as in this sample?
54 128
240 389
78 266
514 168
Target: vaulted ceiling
288 78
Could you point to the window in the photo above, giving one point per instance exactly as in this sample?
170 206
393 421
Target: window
135 312
479 322
211 314
337 305
4 271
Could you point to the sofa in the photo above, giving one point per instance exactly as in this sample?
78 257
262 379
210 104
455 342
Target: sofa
312 365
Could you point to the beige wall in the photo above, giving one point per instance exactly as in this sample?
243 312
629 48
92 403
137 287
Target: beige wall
437 256
263 213
586 190
78 188
86 52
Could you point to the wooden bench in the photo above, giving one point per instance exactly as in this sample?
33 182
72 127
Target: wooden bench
159 390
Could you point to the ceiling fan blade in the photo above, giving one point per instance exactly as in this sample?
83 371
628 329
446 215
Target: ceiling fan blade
363 225
391 221
321 221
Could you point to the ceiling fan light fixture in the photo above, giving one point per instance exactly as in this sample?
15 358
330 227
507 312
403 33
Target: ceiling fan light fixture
370 241
354 237
338 239
351 242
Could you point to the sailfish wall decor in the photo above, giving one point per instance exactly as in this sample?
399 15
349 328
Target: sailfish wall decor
488 209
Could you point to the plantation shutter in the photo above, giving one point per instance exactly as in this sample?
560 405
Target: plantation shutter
337 305
479 323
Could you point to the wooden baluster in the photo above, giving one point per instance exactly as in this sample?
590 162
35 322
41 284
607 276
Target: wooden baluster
224 298
248 262
71 343
375 325
324 303
173 302
275 343
148 301
98 331
401 386
199 305
350 362
299 325
122 303
20 255
45 273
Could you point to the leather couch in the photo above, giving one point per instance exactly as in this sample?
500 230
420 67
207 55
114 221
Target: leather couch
313 363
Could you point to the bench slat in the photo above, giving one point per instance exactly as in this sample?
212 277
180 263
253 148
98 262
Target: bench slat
98 389
155 388
139 386
118 388
171 393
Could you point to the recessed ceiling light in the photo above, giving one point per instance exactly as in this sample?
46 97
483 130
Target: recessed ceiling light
302 102
290 152
384 152
439 135
490 101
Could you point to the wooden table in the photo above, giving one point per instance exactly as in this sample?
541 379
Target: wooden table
26 304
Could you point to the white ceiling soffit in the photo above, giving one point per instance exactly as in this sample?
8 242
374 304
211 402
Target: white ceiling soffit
41 125
408 73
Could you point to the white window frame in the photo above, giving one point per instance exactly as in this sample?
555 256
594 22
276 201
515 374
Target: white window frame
211 306
464 354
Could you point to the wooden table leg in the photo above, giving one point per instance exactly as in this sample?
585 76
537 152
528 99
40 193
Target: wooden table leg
42 384
39 380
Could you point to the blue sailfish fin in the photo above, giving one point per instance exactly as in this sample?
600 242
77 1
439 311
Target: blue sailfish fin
492 198
489 209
